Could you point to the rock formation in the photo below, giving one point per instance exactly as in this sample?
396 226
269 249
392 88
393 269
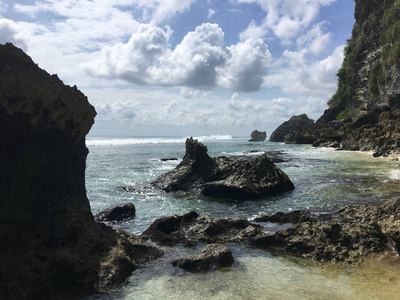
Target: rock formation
364 113
116 213
50 243
224 177
350 234
258 136
212 256
295 123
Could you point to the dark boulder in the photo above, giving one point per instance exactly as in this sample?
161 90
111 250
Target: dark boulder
212 256
116 213
50 243
295 123
241 177
258 136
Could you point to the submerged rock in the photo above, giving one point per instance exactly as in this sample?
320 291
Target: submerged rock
241 177
50 244
212 256
116 213
258 136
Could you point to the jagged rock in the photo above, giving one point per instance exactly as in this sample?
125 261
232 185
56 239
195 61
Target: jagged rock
191 228
295 123
241 177
294 217
50 243
212 256
345 235
116 213
258 136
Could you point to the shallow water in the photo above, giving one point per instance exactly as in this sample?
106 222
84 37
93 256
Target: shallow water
324 179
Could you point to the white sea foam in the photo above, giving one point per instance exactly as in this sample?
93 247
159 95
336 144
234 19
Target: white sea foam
120 141
395 174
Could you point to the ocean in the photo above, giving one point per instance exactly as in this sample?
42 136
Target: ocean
324 180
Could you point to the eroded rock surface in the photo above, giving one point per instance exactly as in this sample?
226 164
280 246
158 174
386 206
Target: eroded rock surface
347 236
212 256
50 243
116 213
241 177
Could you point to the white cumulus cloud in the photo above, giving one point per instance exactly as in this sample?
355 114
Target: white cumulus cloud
200 61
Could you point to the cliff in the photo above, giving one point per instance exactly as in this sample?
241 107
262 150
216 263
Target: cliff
364 112
49 242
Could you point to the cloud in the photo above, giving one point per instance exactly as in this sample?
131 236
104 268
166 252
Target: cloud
246 66
200 61
294 74
16 33
151 11
286 19
211 13
315 40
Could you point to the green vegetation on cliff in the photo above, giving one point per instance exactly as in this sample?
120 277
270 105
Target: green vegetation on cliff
377 26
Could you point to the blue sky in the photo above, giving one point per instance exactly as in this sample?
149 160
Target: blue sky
187 67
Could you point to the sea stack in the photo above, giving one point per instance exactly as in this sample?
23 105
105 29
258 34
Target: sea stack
50 244
258 136
236 177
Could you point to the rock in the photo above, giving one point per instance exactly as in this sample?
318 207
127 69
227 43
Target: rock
195 168
168 159
213 256
247 178
48 234
346 235
191 228
258 136
294 217
116 213
224 177
295 123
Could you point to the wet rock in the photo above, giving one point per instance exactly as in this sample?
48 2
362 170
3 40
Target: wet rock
346 235
294 217
212 256
168 158
116 213
241 177
192 228
258 136
48 233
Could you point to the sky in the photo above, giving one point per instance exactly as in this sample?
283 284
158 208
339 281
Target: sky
187 67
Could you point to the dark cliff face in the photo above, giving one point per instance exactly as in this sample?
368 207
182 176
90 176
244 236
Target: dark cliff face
43 125
49 241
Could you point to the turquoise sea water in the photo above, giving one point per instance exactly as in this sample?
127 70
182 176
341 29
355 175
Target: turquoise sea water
324 180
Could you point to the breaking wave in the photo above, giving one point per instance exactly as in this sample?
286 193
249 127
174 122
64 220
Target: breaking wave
120 141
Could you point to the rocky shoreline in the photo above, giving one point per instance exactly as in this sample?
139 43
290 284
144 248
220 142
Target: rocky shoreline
346 235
